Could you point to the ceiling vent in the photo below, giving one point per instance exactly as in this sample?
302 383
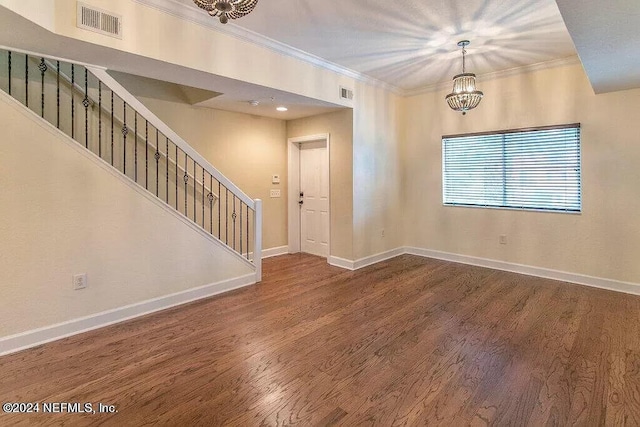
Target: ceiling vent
346 93
99 21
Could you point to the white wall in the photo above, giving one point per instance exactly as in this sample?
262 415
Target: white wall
602 241
63 213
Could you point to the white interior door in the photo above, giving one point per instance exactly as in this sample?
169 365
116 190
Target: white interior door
314 198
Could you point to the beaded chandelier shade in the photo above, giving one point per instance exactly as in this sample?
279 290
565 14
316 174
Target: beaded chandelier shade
227 9
465 96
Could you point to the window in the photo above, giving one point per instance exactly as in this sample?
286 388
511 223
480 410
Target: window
535 169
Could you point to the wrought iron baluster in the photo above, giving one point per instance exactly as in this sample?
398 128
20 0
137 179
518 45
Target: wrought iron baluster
43 68
233 217
176 177
186 181
219 210
135 145
26 80
146 155
157 156
195 212
85 102
99 119
125 131
9 71
111 128
203 197
58 94
226 216
166 192
211 203
241 203
73 104
247 231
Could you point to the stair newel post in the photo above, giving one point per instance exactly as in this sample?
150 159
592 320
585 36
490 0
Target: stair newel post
257 239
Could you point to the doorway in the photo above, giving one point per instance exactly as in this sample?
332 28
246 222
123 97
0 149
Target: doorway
309 195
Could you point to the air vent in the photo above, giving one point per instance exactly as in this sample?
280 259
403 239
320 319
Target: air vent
346 93
99 21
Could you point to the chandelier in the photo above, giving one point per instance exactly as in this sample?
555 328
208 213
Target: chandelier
464 97
227 9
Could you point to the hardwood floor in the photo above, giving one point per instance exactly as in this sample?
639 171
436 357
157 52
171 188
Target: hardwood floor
409 341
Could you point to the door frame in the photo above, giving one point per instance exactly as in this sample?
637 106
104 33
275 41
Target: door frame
293 211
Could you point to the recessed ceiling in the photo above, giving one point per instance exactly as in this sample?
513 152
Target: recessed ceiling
411 44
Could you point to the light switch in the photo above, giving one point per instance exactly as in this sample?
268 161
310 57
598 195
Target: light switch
275 194
275 179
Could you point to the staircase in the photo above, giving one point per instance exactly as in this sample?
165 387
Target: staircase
90 106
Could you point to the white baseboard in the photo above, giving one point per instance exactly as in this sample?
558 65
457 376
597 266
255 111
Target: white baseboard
580 279
341 262
24 340
271 252
383 256
366 261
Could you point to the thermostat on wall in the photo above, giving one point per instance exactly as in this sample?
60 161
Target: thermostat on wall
275 179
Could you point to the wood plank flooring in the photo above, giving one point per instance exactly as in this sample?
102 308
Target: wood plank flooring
409 341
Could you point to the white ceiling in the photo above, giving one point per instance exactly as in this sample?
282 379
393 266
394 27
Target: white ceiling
410 44
605 34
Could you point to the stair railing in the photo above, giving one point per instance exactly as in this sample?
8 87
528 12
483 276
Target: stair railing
126 134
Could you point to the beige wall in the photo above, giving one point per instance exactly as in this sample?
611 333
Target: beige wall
601 242
339 125
63 214
246 149
376 172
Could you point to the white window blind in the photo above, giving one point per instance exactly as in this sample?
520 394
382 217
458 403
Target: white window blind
521 169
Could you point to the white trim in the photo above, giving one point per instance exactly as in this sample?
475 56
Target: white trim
193 14
554 63
373 259
32 338
88 154
366 261
547 273
580 279
257 239
341 262
293 172
277 251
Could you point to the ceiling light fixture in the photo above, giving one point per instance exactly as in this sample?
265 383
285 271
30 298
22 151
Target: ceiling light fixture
282 109
227 9
464 97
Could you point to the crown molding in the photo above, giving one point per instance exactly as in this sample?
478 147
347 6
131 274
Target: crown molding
192 14
554 63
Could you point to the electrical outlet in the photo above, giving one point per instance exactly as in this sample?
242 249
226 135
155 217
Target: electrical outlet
382 232
503 239
275 193
80 281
